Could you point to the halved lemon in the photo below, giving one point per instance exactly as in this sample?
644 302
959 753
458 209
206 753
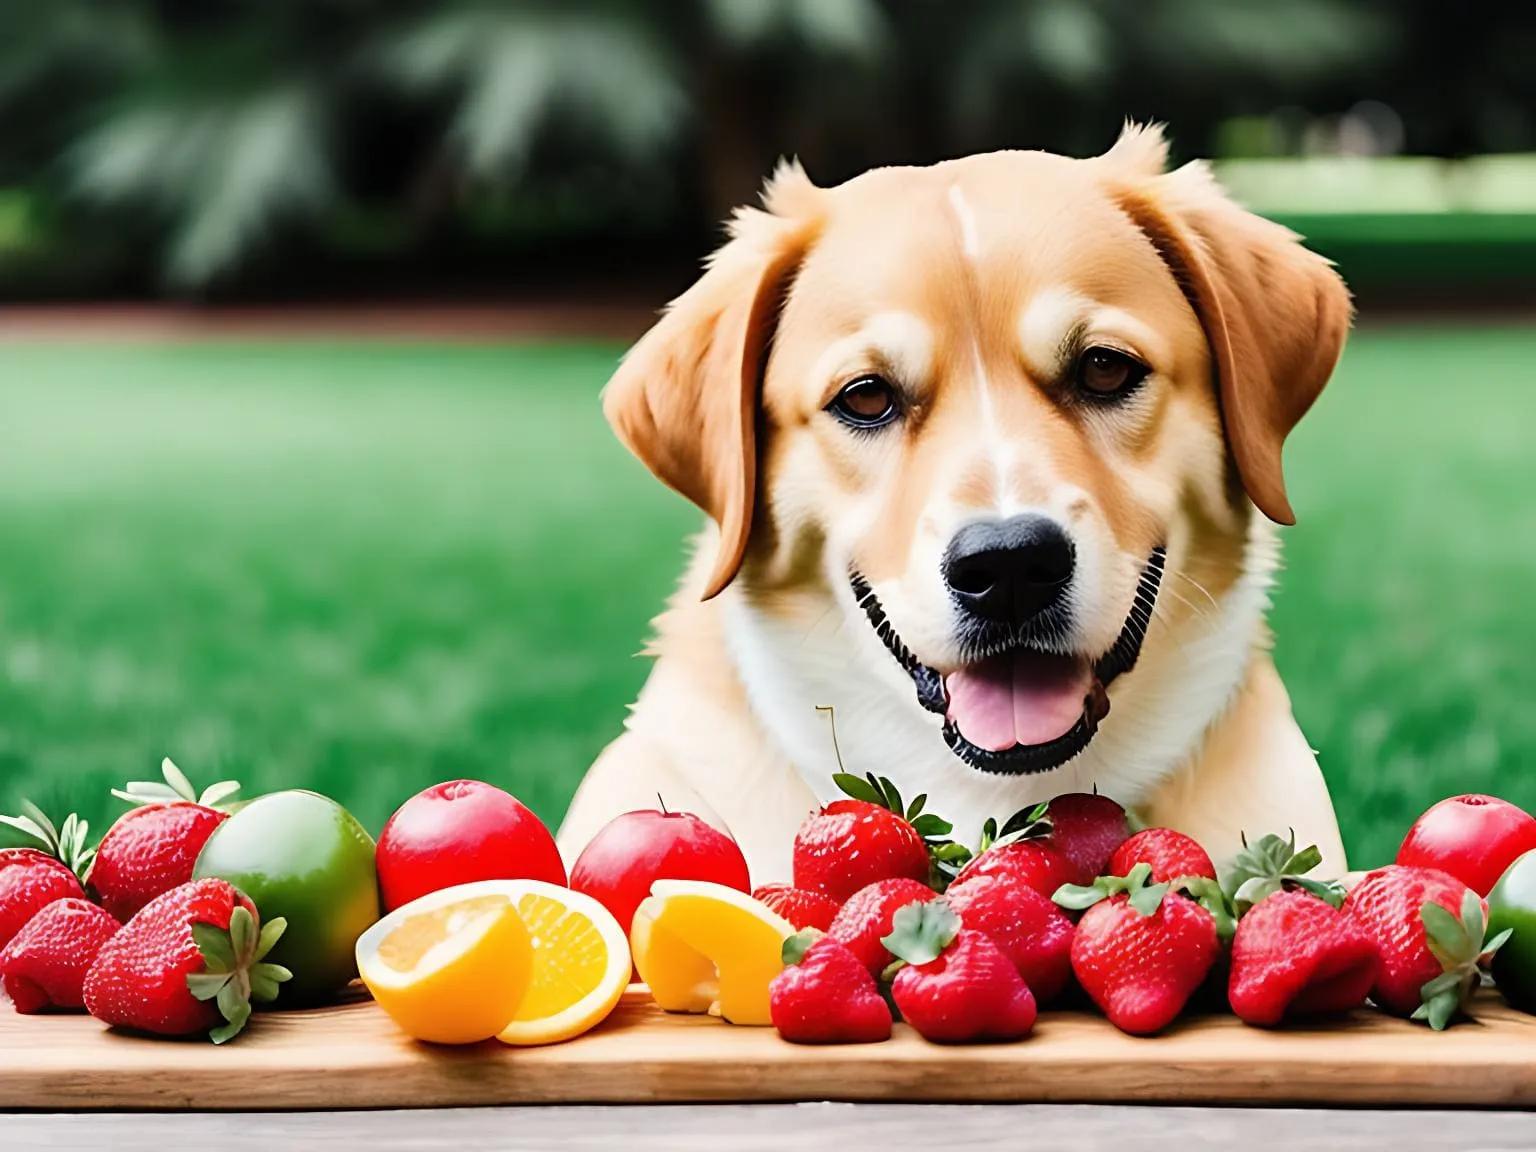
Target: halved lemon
451 967
704 947
580 964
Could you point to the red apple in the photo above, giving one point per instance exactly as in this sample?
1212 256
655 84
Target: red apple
460 832
1474 838
633 851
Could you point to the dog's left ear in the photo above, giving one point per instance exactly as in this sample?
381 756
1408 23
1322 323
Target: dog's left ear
685 398
1276 315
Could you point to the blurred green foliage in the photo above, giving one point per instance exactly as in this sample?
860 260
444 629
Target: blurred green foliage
195 147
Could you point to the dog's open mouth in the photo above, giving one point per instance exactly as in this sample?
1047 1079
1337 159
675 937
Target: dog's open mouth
1022 710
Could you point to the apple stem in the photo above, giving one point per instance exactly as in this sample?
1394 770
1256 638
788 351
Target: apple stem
663 804
832 719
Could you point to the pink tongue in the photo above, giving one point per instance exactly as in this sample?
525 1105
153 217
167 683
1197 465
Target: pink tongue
1023 698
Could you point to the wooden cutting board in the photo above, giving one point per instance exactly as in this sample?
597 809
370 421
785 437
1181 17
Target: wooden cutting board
351 1056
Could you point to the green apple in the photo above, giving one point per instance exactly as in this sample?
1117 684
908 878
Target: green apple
304 857
1512 905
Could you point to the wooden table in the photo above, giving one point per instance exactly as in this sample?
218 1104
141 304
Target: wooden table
352 1056
1077 1083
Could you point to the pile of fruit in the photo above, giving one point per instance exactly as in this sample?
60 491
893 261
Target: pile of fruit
1067 901
195 908
192 909
463 925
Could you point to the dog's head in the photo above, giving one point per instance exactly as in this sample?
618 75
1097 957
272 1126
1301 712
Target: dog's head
986 404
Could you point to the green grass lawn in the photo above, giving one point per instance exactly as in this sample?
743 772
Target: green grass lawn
363 569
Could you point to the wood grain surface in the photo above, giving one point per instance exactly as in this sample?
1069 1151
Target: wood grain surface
352 1057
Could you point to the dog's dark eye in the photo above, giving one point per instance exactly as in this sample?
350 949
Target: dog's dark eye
868 402
1104 373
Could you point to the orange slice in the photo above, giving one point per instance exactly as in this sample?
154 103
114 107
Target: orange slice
707 948
580 966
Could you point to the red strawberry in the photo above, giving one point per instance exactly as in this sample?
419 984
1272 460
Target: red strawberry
33 878
866 917
801 908
1143 952
44 965
152 849
850 844
1033 863
190 957
1428 930
1297 955
30 881
1032 932
826 996
1086 828
148 852
1171 854
956 986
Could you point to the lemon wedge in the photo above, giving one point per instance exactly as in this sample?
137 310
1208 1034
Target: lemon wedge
703 947
451 967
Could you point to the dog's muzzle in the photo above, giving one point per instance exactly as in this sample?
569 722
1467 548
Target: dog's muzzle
1020 665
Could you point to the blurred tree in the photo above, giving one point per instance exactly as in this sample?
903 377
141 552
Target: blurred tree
56 60
498 79
205 141
224 130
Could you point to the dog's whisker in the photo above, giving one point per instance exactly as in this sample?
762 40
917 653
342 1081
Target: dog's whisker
820 620
1198 612
1144 607
1168 626
1199 586
1184 600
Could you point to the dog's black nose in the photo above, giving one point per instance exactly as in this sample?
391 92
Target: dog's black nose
1010 570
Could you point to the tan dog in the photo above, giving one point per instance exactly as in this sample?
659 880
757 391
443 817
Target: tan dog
991 450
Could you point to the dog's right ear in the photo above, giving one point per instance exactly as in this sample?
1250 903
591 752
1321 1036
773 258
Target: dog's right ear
685 398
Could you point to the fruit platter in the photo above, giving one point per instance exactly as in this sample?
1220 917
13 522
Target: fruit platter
217 953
